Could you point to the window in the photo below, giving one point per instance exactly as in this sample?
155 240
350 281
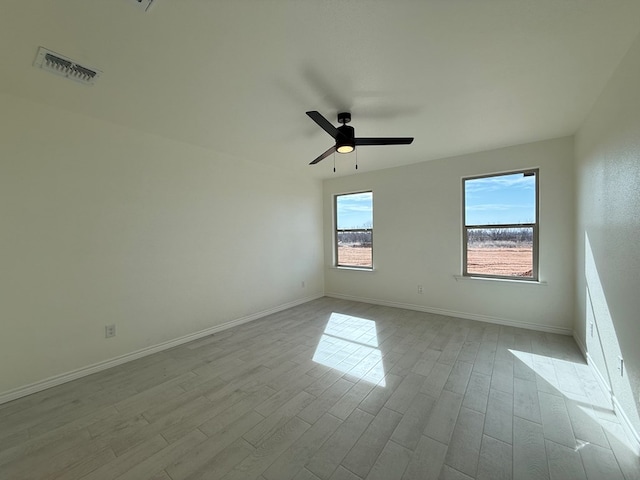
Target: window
501 225
353 213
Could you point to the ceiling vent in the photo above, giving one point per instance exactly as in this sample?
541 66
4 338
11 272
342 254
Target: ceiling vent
144 4
60 65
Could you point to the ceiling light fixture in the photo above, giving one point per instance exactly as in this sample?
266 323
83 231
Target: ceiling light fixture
345 145
345 140
346 148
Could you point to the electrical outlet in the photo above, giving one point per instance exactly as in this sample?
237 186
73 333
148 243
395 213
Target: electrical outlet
621 365
591 327
302 284
109 331
420 291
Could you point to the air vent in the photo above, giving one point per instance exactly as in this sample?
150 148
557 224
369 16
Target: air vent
65 67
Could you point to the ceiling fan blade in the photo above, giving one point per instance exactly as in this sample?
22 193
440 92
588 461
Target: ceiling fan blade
383 141
324 123
324 155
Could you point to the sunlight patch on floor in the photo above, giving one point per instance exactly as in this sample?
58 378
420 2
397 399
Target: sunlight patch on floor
349 344
570 379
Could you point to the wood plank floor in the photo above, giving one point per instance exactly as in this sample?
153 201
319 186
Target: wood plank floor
329 390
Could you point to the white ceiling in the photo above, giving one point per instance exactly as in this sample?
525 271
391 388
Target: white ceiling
236 76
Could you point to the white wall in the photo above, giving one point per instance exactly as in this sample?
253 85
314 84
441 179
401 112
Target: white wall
417 238
102 224
608 233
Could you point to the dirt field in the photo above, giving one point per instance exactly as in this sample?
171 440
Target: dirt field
356 256
500 261
493 261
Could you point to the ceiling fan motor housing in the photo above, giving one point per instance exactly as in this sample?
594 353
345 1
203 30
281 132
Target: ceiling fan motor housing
345 141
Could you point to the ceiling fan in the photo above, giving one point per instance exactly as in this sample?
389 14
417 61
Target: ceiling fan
344 136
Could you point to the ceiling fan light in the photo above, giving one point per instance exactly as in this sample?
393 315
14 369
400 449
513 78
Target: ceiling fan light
345 148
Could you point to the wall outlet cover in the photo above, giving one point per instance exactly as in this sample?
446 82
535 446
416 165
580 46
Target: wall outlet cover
109 331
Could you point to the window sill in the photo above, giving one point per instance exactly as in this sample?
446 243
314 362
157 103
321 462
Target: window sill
508 281
354 269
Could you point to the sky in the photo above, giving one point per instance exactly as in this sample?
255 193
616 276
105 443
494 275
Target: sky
355 210
488 201
500 199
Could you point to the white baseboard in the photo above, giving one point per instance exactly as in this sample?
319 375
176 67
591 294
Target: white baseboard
112 362
452 313
581 346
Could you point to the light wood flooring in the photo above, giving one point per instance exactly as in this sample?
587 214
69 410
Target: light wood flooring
330 390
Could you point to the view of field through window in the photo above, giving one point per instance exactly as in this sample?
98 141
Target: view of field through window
354 230
500 251
500 213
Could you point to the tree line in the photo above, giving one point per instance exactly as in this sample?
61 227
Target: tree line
355 238
501 235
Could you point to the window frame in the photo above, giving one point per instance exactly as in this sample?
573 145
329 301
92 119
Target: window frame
535 277
336 231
